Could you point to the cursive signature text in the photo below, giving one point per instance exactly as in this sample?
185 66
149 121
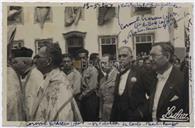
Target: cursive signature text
173 115
148 23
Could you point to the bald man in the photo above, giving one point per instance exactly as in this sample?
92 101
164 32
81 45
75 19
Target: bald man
124 108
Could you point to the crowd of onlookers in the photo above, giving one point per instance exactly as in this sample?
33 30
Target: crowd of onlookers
145 62
52 86
48 87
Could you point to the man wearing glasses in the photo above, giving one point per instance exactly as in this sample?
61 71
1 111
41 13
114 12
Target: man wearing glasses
169 97
168 94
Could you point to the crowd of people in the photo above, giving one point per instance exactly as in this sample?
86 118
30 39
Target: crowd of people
48 87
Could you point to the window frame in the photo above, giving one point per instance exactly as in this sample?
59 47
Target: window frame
37 41
139 12
146 42
72 34
100 43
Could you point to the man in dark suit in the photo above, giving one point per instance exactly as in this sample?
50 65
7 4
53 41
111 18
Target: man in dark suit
123 108
169 94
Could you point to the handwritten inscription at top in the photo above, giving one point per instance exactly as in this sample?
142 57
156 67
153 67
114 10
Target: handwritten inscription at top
96 5
147 23
155 21
148 4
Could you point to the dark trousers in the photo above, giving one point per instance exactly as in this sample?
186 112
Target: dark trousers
89 107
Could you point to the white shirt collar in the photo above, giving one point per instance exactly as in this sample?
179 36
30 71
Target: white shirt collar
126 73
166 73
123 81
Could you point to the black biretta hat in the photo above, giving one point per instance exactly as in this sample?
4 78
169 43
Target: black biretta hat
22 52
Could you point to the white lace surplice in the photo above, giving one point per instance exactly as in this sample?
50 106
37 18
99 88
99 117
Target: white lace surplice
51 98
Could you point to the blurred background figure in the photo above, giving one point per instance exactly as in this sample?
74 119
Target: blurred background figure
185 64
134 63
83 57
95 60
89 101
147 64
72 73
74 78
176 61
140 62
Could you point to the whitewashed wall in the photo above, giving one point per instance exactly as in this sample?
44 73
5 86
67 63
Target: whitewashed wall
30 31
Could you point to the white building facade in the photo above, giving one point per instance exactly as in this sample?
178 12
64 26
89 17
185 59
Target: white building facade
101 30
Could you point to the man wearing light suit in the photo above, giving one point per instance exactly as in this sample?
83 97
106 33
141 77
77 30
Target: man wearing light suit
107 85
169 95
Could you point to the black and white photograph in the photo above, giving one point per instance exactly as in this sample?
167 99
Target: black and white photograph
96 64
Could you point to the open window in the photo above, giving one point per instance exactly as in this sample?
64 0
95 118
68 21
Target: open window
74 41
143 10
143 44
108 45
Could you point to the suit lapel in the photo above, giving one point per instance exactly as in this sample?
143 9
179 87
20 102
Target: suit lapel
117 84
126 85
102 82
168 88
129 85
154 83
110 78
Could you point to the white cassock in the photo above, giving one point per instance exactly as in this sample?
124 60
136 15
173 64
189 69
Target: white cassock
14 101
31 89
